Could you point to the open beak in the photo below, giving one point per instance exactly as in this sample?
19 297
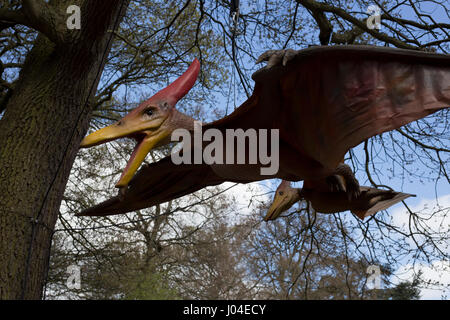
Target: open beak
146 140
278 206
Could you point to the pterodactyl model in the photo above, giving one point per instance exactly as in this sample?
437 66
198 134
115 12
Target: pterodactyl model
323 101
369 201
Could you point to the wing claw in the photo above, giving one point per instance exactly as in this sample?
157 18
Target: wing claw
265 56
289 55
277 57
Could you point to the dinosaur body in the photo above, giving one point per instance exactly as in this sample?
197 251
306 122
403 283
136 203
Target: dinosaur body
369 201
323 101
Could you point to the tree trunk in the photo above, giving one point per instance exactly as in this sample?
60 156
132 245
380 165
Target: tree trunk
40 132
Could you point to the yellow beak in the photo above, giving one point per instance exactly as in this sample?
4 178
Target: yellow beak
146 140
278 206
137 157
106 134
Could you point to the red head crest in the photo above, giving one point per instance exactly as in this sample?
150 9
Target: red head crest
180 87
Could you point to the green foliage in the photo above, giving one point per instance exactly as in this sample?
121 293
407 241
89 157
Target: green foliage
150 285
404 290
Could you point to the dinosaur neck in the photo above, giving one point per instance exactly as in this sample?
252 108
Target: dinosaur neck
182 121
178 121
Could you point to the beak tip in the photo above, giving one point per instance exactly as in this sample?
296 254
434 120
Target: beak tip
268 217
121 185
85 143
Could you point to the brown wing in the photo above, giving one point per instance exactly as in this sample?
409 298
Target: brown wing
329 99
157 183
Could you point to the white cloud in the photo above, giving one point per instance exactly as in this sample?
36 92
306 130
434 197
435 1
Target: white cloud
436 219
426 207
243 200
248 196
431 216
435 275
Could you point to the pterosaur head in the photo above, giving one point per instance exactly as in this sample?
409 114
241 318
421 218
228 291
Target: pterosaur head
285 197
149 124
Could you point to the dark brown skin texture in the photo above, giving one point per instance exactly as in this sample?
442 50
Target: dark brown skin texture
324 101
369 201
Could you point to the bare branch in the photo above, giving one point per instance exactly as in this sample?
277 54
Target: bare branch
9 18
44 19
324 24
323 7
37 15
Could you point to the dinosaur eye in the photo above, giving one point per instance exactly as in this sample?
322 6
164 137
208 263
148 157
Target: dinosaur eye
148 112
280 193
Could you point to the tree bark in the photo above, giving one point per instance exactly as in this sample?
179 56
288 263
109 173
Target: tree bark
40 132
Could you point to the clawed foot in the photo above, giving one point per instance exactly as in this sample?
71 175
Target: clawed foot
348 184
277 57
353 189
335 184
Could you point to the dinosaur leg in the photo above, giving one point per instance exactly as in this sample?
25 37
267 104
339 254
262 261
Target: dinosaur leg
351 184
336 183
